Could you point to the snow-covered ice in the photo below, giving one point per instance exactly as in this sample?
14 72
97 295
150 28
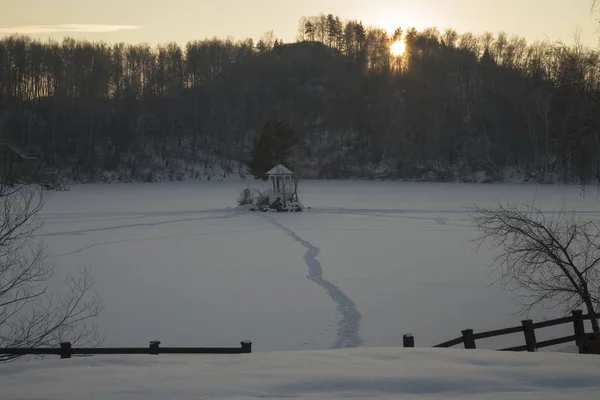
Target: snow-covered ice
369 262
374 373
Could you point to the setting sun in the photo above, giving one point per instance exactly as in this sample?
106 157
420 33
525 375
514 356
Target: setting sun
397 48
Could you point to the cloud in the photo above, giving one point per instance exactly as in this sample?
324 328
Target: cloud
69 28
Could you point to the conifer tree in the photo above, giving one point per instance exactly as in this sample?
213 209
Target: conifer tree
274 145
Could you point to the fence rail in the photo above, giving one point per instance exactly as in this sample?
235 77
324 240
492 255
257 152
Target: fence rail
586 342
66 350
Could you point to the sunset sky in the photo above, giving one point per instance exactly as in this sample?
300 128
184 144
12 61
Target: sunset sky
159 21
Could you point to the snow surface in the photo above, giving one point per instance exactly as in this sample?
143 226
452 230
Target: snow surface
369 262
375 373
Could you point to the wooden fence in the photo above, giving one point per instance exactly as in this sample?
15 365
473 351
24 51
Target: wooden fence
586 342
66 350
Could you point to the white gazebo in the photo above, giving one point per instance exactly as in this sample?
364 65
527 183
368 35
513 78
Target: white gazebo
281 184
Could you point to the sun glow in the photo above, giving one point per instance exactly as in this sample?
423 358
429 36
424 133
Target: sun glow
397 48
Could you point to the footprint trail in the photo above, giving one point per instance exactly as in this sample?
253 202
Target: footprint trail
348 328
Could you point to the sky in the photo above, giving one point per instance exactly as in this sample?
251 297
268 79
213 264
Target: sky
160 21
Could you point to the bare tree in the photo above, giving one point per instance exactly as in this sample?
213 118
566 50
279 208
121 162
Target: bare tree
30 315
595 9
547 259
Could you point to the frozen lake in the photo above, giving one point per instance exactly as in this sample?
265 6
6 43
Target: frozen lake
369 262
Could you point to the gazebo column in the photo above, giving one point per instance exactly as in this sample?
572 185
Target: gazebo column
283 190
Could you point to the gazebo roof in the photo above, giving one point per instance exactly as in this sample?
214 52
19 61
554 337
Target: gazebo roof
280 170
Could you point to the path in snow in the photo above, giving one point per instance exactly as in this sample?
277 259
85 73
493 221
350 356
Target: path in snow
227 215
145 239
407 213
348 327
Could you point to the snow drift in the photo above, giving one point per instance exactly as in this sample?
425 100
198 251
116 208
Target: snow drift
376 373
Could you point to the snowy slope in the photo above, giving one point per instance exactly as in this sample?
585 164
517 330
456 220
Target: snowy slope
375 373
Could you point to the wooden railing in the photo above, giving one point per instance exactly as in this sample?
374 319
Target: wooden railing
66 350
582 339
586 342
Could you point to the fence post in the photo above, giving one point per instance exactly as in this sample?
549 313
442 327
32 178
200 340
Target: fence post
529 333
468 339
246 347
408 340
578 328
154 347
65 350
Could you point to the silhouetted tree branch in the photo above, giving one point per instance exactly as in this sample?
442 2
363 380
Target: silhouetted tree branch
30 315
547 259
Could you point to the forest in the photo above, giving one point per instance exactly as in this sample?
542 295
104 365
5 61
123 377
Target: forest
452 107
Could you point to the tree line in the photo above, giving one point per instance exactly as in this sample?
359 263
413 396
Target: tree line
452 106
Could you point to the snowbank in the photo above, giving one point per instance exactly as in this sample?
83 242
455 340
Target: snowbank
382 373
